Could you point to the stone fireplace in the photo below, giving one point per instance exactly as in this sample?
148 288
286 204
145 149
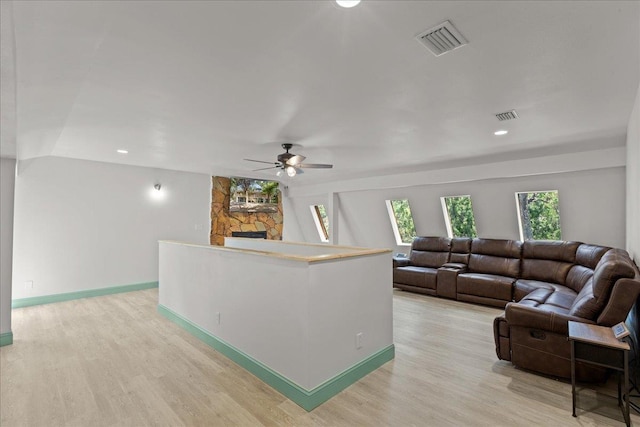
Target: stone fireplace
224 223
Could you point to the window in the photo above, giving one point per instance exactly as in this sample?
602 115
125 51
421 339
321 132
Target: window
322 221
458 216
539 215
401 221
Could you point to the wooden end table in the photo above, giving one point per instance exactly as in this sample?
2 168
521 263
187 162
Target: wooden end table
597 345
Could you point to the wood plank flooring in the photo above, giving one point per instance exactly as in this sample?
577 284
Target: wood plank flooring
114 361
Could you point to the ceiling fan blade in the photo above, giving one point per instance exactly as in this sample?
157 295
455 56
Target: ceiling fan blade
263 169
298 170
261 161
295 160
314 166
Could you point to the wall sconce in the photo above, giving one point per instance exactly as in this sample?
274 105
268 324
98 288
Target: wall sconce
157 192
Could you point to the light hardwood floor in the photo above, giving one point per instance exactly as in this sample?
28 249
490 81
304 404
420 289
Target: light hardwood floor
114 360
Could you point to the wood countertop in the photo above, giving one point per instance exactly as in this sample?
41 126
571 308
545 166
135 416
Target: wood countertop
350 251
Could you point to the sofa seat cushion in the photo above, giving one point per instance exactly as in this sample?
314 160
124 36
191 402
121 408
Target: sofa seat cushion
562 298
555 299
423 277
485 285
523 287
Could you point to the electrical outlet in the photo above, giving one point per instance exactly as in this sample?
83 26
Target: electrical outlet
28 284
218 317
359 337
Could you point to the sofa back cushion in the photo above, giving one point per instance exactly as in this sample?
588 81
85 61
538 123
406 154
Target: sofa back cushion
578 276
548 260
585 305
460 249
613 265
430 251
587 257
495 256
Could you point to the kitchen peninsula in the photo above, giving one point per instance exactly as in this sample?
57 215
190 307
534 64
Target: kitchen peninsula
307 319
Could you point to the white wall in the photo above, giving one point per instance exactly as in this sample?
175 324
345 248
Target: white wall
305 230
7 183
633 182
304 329
592 208
83 225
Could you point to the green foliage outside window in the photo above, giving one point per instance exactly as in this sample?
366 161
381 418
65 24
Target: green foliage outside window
539 215
324 217
248 186
270 190
461 217
324 220
404 220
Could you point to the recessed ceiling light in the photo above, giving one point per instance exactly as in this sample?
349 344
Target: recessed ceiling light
122 151
501 132
347 3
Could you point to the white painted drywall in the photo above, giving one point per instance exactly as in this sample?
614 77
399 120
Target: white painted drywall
298 318
306 230
83 225
7 183
633 181
480 170
291 230
592 208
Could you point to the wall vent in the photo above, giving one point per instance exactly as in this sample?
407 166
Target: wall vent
442 38
509 115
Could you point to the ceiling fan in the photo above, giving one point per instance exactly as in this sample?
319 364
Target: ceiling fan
290 163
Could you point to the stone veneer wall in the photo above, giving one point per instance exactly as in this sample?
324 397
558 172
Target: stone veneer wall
223 222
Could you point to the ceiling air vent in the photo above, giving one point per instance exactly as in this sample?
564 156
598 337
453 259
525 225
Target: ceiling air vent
509 115
442 38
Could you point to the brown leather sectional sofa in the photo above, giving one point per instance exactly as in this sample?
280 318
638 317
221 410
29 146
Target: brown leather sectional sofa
541 284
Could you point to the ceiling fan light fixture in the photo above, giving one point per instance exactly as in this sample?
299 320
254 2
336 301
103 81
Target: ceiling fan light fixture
347 3
289 163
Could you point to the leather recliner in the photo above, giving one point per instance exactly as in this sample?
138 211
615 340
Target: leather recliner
541 284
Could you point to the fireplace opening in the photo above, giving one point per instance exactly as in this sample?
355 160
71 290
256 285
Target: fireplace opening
250 234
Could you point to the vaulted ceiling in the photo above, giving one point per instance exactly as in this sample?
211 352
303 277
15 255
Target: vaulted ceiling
199 86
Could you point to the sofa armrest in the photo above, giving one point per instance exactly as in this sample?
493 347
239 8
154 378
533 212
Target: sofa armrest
400 262
455 266
531 317
624 294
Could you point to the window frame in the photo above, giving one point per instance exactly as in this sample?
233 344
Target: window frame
323 233
394 222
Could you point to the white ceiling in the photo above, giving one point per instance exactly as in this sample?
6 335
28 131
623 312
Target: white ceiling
198 86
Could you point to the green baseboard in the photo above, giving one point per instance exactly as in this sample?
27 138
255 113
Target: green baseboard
6 338
307 399
48 299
